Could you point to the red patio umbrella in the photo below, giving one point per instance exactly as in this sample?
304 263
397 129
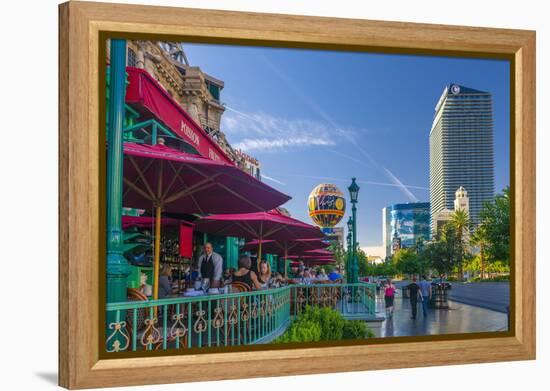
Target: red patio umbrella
288 247
318 252
320 261
272 225
312 262
310 257
174 181
146 221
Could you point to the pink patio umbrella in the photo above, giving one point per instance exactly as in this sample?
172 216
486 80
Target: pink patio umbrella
310 257
174 181
286 248
146 221
316 260
318 252
312 262
272 225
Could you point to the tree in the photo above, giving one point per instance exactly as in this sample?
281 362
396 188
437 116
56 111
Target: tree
461 222
495 217
339 255
363 262
442 254
407 261
480 238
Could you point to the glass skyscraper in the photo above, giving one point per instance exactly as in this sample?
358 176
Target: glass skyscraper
461 149
409 222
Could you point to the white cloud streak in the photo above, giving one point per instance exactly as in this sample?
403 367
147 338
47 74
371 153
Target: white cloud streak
400 185
273 179
268 133
279 144
346 180
306 99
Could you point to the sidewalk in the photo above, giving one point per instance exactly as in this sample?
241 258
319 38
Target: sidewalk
459 318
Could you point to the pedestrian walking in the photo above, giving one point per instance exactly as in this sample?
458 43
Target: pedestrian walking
414 295
389 298
426 290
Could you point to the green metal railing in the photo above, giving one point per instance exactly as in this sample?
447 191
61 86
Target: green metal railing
233 319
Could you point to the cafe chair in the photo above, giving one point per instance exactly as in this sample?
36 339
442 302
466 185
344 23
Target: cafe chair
239 286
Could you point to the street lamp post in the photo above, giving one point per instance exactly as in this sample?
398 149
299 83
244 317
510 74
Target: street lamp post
354 195
117 266
349 269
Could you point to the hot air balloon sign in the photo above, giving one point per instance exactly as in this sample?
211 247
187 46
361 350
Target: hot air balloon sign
326 205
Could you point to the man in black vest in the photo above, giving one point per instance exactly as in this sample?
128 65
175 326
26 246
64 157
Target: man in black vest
210 266
415 294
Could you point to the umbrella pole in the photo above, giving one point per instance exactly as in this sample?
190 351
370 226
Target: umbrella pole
259 260
286 260
156 263
259 254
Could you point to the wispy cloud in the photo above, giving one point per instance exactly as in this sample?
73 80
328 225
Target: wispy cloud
366 182
400 185
265 132
265 144
328 119
272 179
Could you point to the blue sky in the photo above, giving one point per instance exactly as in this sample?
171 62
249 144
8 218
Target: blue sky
325 116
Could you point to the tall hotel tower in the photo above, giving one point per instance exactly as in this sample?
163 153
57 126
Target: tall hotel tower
461 150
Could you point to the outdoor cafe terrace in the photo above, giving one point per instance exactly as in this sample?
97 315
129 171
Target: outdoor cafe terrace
160 161
232 319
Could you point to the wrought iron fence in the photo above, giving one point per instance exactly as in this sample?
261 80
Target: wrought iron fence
227 319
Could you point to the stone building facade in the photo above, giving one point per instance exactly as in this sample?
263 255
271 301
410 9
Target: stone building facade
197 92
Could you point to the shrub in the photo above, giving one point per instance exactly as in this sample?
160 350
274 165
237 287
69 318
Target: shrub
323 324
301 330
492 279
356 329
330 321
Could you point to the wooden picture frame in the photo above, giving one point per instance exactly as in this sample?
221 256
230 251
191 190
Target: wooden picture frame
80 29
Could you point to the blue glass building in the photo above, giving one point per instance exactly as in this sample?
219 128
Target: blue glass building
409 222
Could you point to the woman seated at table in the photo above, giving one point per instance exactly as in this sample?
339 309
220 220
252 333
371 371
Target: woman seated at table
165 285
307 277
321 275
278 281
245 275
265 274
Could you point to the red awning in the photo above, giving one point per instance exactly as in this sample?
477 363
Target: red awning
148 97
319 253
271 225
148 222
291 247
183 183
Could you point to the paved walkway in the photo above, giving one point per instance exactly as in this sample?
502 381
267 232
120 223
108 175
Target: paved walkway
460 318
491 295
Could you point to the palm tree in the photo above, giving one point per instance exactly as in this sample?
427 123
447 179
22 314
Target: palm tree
480 238
461 222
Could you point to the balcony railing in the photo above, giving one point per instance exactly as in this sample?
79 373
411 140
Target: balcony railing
227 319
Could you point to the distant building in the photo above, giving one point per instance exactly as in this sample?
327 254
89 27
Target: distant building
335 234
439 219
386 231
461 150
404 225
197 92
462 201
250 164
